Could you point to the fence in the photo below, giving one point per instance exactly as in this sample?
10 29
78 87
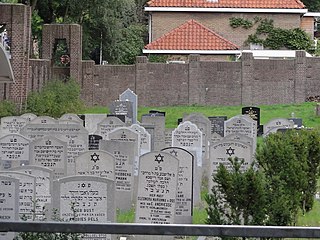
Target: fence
158 229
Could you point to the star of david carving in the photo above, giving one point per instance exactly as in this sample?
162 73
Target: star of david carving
159 158
174 153
230 151
95 157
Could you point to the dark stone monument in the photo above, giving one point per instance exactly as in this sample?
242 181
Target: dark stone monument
217 124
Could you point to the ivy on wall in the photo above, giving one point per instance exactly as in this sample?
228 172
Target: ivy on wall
271 37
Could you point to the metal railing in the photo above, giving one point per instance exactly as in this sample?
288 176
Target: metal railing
161 229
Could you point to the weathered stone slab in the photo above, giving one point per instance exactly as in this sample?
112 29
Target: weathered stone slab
12 125
145 138
122 108
107 125
217 124
158 121
129 95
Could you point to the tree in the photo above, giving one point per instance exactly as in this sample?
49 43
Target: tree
312 5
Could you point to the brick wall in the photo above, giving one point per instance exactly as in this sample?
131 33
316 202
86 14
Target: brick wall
163 22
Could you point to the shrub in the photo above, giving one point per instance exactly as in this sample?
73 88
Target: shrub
7 108
55 99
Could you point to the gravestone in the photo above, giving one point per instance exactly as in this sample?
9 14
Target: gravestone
168 137
27 193
297 122
107 125
9 203
91 121
127 135
217 124
145 138
44 178
184 199
221 151
94 142
215 137
275 124
241 124
158 121
44 120
14 151
204 125
241 138
188 136
253 112
28 116
85 199
124 108
75 135
150 129
123 118
96 163
70 118
50 152
130 96
124 153
11 125
158 179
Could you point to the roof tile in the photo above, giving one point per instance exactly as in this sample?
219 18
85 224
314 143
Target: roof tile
191 36
277 4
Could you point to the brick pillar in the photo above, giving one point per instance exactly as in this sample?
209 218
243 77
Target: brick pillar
300 78
88 86
141 81
195 84
247 79
75 46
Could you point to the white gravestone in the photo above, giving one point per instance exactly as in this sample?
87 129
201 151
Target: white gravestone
28 116
70 118
127 135
129 95
107 125
27 193
145 138
50 152
275 124
12 124
44 178
158 179
9 203
221 151
44 120
85 199
96 163
124 153
241 138
184 200
14 151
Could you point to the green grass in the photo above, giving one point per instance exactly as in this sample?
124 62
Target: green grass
306 111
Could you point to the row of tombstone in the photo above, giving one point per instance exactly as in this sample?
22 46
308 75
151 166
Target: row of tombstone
112 164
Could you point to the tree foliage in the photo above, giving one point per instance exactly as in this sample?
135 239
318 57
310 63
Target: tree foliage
55 99
282 185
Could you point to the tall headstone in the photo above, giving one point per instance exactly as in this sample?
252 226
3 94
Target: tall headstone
275 124
14 151
96 163
129 95
9 203
50 152
158 121
27 193
188 136
158 179
44 179
221 151
253 112
12 124
217 124
122 108
85 199
184 200
168 137
107 125
145 138
124 153
127 135
241 124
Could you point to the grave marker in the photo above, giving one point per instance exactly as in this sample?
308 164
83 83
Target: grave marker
94 142
124 108
107 125
12 125
217 124
275 124
129 95
158 121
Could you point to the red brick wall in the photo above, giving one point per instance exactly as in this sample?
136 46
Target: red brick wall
163 22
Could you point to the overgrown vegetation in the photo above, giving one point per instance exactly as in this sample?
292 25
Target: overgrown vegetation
55 99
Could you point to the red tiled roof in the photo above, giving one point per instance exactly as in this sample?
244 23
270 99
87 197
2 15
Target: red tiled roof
191 36
282 4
